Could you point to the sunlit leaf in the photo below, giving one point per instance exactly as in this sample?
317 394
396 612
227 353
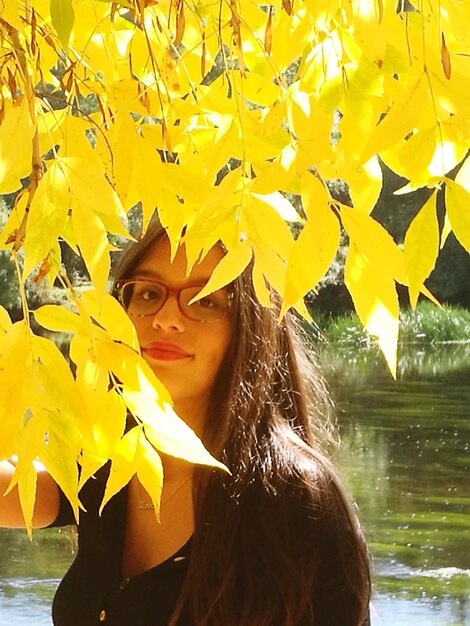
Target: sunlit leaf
168 432
221 117
318 242
55 317
122 465
421 247
149 469
62 16
16 147
458 211
228 268
376 305
47 216
93 242
107 311
5 321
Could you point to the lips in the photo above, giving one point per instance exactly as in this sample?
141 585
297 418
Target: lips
166 351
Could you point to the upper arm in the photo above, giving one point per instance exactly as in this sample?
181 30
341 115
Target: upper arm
46 505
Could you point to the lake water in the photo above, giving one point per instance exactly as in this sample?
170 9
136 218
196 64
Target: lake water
406 451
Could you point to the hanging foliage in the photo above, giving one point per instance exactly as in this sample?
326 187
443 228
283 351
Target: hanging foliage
107 104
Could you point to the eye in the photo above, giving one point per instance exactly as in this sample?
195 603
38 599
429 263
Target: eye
147 292
207 303
216 301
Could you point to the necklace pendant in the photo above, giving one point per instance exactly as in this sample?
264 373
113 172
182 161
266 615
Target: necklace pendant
145 506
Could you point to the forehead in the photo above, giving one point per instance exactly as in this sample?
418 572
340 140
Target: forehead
157 264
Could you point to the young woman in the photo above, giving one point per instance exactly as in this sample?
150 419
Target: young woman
274 543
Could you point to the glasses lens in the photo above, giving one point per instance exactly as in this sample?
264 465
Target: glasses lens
143 298
208 309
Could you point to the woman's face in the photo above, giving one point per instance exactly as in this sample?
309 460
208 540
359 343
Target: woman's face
185 354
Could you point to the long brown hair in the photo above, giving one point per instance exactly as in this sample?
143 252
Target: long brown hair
276 543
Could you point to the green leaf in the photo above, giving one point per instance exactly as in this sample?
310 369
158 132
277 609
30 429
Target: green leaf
63 17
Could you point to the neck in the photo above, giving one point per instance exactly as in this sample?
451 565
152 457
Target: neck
176 470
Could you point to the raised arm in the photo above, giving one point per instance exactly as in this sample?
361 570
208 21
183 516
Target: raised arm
47 499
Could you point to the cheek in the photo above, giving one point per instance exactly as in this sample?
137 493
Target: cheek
220 343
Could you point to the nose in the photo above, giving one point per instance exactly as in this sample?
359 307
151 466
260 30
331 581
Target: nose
169 318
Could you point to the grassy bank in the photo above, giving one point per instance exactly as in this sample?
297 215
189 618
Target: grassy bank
427 324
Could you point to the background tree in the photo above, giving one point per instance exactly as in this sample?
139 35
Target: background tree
208 111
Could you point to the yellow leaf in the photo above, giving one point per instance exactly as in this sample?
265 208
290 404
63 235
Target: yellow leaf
364 81
263 293
5 321
282 205
412 156
50 128
122 465
278 174
149 470
312 127
458 211
62 466
411 105
94 246
463 175
447 155
26 477
56 385
269 263
107 311
184 191
88 184
376 301
421 247
262 222
25 473
47 216
374 242
14 357
169 434
131 370
228 268
316 244
14 220
55 317
89 464
11 15
257 144
108 424
446 230
92 378
365 185
62 17
16 146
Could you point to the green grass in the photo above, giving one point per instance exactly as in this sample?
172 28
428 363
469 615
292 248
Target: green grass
427 324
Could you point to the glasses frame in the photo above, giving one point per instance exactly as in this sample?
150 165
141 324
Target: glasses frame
170 291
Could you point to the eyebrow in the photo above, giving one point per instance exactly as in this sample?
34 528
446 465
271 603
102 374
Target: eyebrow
152 274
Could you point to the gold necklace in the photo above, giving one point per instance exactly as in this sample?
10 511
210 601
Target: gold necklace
144 505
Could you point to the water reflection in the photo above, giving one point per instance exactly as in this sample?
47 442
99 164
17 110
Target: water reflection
30 573
406 453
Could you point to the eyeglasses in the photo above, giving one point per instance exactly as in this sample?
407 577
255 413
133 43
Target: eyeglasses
141 297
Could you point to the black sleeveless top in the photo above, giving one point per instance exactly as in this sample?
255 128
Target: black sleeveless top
93 591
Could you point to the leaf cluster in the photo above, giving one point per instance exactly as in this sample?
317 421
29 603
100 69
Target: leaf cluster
212 113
